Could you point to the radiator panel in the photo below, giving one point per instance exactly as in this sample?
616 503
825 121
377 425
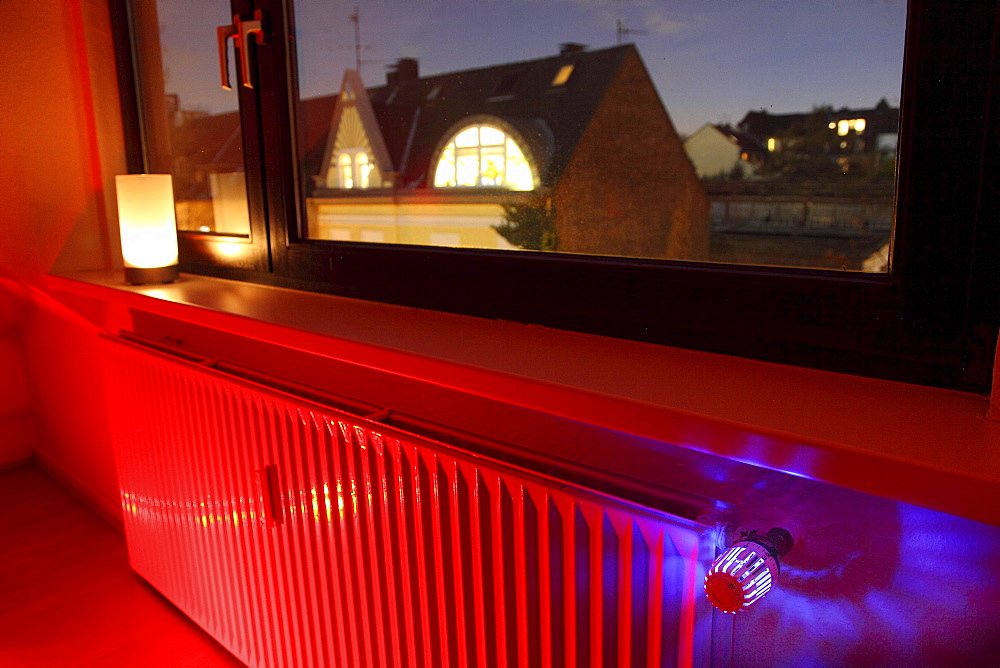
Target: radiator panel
298 535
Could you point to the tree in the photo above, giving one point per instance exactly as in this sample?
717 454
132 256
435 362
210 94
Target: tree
531 226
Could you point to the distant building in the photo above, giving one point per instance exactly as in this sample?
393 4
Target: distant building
852 130
578 142
722 151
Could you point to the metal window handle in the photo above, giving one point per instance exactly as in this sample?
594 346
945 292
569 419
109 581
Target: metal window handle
223 33
240 31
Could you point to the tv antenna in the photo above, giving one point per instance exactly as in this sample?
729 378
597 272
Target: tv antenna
621 30
355 18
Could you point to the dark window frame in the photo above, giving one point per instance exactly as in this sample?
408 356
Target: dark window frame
932 320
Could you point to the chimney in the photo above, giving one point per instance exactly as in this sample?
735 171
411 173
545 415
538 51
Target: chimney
569 48
405 70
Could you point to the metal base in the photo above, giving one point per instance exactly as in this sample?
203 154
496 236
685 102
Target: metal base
143 275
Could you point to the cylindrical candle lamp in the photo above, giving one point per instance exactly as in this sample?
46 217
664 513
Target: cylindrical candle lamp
148 227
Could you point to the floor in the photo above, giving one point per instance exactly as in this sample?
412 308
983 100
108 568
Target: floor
68 597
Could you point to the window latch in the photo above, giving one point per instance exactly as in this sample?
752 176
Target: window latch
240 32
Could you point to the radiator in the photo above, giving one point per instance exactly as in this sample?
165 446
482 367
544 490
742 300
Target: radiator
300 533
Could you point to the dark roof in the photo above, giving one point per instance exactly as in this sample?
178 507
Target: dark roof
761 124
744 140
416 114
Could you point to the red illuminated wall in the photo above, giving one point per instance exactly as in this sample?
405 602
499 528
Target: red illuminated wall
17 425
60 146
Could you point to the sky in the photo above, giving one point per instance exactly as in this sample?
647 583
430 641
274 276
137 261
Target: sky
711 60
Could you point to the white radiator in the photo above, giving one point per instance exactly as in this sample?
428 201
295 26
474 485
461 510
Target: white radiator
298 534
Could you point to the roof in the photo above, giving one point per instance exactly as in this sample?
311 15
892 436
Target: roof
744 140
415 114
549 119
761 124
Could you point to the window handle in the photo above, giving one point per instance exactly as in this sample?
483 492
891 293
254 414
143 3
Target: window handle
240 31
222 34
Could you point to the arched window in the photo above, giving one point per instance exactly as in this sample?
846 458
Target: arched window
354 169
483 156
362 169
346 171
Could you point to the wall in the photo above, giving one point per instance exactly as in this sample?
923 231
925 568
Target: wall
60 145
17 420
713 154
647 202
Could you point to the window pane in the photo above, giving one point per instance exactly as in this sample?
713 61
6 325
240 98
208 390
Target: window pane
671 136
191 124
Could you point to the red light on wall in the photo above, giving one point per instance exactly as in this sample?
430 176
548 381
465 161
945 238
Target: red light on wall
746 571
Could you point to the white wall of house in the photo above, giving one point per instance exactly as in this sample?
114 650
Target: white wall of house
713 153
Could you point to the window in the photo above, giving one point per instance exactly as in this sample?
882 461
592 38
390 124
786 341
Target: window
354 170
562 76
923 311
483 156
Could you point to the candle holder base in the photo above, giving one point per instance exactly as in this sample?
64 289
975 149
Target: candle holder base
146 275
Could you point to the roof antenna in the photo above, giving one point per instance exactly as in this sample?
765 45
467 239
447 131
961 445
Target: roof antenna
355 18
357 39
622 30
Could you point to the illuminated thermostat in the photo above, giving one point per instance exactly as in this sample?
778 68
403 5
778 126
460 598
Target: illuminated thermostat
746 571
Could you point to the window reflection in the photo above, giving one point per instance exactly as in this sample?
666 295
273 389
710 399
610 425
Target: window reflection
668 148
191 126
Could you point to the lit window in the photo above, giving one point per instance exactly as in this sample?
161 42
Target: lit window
346 171
846 125
363 169
354 169
562 76
483 156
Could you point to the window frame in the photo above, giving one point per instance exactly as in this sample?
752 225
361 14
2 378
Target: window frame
932 320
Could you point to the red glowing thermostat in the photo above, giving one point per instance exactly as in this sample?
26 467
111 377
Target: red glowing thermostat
745 572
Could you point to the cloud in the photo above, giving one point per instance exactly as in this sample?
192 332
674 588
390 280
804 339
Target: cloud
658 23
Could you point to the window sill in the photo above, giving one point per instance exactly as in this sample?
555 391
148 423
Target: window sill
925 446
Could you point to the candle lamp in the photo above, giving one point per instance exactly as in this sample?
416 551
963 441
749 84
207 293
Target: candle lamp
148 227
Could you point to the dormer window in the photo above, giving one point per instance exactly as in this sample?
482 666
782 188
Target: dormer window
483 155
354 169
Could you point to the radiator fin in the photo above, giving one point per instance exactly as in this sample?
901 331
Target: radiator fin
382 548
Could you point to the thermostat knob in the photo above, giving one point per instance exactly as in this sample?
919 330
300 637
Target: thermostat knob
746 571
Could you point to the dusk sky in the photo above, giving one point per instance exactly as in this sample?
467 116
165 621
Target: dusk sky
711 60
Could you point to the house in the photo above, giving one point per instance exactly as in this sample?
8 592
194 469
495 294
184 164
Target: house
862 130
722 151
455 148
890 488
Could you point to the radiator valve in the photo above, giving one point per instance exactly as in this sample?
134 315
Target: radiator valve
745 572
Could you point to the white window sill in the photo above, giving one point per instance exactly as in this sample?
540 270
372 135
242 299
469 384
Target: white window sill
926 446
